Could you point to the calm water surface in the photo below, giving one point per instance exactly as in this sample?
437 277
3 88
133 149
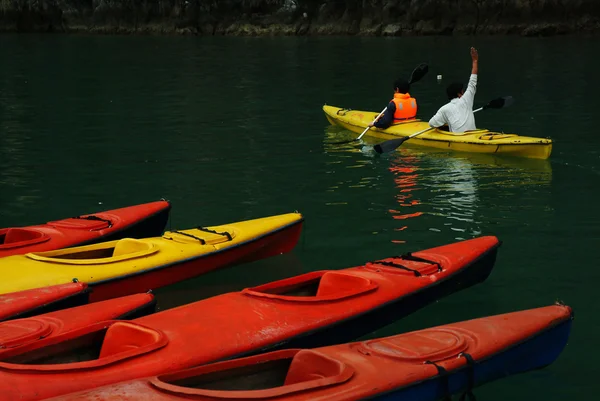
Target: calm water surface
232 128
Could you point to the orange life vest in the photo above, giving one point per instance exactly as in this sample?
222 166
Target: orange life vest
406 107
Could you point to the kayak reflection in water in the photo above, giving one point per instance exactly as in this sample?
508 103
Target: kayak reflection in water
458 113
402 107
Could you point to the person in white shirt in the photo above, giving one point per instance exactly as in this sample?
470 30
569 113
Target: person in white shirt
458 114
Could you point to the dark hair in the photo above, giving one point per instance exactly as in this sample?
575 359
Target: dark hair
454 89
402 85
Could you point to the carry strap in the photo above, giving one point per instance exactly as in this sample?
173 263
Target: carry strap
96 218
203 242
187 235
392 264
225 233
471 379
443 375
412 258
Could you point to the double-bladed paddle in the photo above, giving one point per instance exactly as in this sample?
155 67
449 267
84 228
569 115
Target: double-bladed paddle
392 144
419 72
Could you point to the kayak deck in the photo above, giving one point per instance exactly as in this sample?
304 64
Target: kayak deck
129 265
480 141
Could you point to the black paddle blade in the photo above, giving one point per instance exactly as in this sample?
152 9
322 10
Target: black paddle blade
390 145
500 102
418 73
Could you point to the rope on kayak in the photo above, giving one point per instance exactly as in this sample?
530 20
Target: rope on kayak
225 233
471 381
443 375
344 110
392 264
187 235
96 218
412 258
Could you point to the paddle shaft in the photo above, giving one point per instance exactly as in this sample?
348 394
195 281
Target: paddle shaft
392 144
368 127
430 128
418 73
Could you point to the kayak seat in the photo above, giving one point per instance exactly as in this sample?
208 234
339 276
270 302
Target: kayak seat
121 337
334 283
266 376
94 346
129 245
309 365
16 235
320 286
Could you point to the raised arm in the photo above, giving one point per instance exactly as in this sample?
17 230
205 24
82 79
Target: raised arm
469 95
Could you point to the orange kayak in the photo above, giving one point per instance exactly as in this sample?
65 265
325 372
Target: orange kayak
423 365
139 221
20 332
42 300
314 309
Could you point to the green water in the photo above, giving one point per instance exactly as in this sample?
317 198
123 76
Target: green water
232 128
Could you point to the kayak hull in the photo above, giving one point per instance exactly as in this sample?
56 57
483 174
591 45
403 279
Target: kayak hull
425 365
534 353
20 332
480 141
387 313
139 221
273 316
271 244
16 305
127 266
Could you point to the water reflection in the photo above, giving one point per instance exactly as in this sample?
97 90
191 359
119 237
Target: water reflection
406 173
437 191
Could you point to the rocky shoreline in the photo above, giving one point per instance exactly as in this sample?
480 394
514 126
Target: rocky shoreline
303 17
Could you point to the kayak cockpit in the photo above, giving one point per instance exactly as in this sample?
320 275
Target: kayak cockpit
107 252
16 237
90 347
314 287
264 376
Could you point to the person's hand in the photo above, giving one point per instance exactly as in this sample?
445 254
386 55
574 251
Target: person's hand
371 124
474 54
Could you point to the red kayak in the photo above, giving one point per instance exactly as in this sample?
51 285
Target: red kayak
20 332
313 309
42 300
425 365
139 221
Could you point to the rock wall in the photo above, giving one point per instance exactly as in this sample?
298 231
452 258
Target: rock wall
303 17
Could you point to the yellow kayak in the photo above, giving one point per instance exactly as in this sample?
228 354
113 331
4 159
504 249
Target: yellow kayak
128 266
480 141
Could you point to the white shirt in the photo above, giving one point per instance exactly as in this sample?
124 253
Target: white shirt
458 114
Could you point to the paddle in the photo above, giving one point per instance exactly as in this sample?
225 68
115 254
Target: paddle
392 144
419 72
